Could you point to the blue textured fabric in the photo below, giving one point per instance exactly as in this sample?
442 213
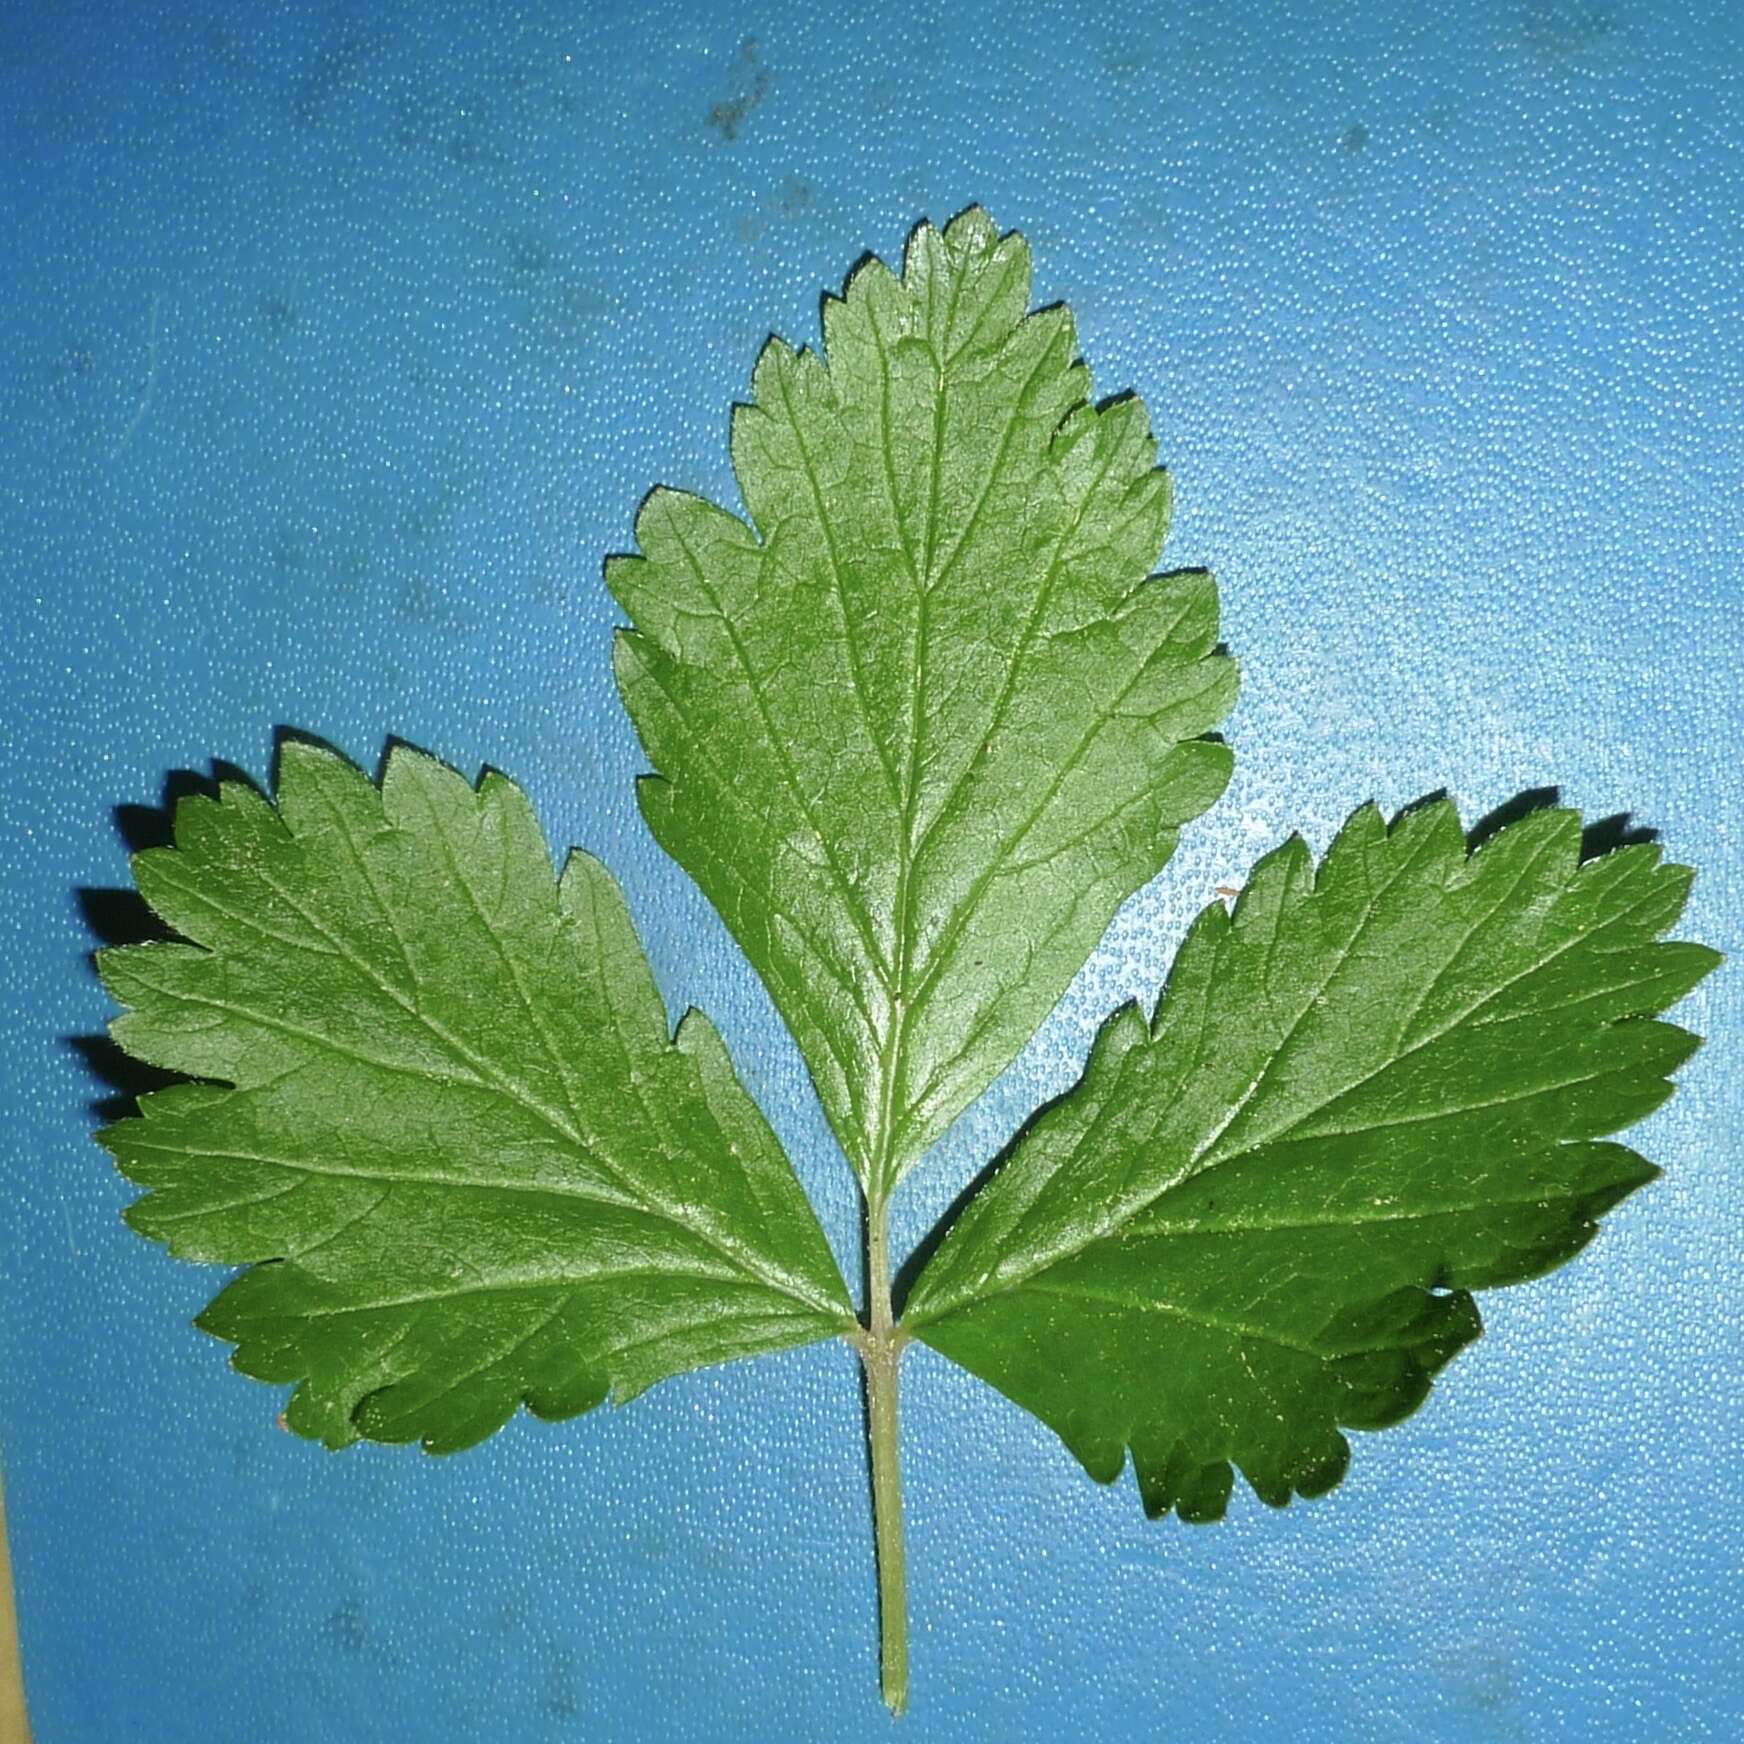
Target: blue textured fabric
338 345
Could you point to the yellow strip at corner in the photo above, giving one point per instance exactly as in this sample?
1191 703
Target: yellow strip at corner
14 1727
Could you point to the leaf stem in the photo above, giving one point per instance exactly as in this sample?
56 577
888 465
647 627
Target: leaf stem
880 1354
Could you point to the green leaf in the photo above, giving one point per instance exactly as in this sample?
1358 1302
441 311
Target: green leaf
463 1158
925 722
1372 1089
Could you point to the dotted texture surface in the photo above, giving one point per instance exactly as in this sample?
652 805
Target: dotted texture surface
338 345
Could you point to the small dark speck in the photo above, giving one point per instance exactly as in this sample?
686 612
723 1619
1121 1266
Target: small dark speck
1124 60
1561 31
221 46
529 254
1355 140
727 117
332 71
561 1699
1480 1679
346 1630
64 372
464 146
278 318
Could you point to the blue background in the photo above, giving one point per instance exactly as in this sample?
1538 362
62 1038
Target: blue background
337 346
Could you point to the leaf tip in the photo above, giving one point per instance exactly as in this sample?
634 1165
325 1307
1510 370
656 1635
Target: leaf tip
297 755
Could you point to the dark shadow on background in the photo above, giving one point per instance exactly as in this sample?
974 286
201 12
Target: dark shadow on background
1600 836
1605 834
1511 811
904 1278
121 917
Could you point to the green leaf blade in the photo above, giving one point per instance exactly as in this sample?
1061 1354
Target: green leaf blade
926 722
1377 1086
451 1134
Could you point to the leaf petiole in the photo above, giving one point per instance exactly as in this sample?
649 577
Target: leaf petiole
880 1346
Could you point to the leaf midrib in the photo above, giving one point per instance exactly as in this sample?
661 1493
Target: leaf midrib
1233 1329
906 1002
1358 1219
564 1280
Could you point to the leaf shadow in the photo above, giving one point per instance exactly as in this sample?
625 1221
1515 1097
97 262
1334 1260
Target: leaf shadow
907 1274
121 916
1600 836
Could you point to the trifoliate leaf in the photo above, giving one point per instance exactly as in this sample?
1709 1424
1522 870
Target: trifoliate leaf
919 725
1371 1090
924 723
450 1133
